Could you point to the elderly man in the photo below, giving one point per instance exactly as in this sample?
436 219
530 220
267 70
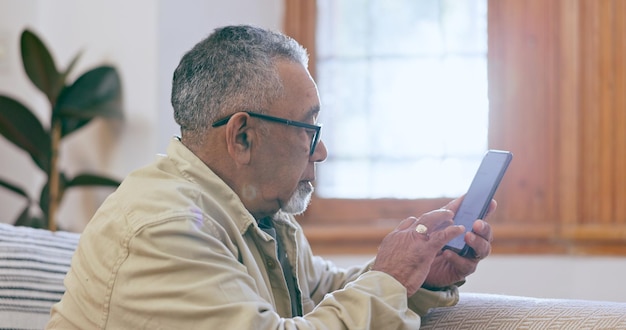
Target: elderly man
205 236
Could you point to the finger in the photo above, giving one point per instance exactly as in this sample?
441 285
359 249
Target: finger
454 204
462 265
436 219
483 229
443 236
480 246
407 223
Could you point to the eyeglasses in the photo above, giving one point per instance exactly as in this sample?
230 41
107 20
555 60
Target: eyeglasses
317 129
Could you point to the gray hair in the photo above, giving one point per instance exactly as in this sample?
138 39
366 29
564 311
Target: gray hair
233 69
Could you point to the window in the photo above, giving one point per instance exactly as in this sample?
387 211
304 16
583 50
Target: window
557 73
403 85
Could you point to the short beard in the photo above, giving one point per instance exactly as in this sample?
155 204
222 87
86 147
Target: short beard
298 203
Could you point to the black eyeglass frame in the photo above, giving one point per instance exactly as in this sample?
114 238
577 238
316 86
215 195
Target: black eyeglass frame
316 128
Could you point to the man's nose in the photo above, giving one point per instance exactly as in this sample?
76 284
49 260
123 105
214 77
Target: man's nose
320 153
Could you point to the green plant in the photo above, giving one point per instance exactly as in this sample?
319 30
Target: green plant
96 93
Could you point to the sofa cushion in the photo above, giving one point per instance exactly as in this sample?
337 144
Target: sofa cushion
33 263
490 311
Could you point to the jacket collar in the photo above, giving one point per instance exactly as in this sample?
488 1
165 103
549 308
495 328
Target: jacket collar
212 187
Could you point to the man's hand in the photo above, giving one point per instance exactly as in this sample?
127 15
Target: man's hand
407 254
448 267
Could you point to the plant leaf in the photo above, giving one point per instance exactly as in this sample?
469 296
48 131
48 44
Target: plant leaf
44 199
21 127
92 180
80 180
71 66
24 218
28 220
69 125
14 188
97 93
40 67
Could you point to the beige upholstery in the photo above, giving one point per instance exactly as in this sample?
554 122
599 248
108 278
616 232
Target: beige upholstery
489 311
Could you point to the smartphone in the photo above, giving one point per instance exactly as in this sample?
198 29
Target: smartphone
479 195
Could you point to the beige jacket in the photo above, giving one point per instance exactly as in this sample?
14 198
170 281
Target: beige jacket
174 248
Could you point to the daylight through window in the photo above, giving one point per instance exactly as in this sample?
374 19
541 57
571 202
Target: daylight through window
403 85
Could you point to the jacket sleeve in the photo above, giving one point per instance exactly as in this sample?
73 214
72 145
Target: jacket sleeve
357 289
331 278
423 300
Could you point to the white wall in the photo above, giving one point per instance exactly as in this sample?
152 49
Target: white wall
16 165
183 23
144 39
550 276
543 276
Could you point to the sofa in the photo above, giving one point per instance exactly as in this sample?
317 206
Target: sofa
33 263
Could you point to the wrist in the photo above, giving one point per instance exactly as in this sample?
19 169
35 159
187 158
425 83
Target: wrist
442 288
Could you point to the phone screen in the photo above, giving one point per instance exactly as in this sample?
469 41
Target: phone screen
479 195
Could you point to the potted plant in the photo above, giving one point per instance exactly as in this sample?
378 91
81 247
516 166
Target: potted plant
95 93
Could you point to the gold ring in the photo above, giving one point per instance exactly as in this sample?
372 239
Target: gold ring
421 229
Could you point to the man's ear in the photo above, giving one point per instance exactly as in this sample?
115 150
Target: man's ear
239 137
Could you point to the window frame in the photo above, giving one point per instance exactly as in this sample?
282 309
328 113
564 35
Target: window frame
556 69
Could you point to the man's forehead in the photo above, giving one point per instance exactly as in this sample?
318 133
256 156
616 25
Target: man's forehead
313 112
300 99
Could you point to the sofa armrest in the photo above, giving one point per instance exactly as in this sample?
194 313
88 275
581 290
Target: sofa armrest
490 311
33 264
